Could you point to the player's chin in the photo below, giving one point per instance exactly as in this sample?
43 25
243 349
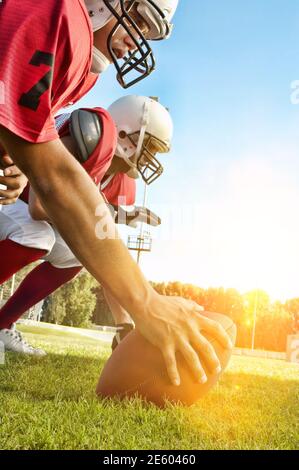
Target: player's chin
136 368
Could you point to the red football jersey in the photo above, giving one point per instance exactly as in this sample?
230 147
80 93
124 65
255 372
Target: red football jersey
45 61
121 191
100 160
121 186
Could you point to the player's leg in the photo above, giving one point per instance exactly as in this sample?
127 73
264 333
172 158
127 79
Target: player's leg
23 241
15 257
62 258
42 281
123 329
19 245
122 319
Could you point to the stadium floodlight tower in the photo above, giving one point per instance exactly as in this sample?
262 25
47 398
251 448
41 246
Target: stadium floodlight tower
140 243
143 241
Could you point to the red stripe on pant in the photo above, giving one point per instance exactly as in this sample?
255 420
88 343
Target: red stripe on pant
42 281
14 257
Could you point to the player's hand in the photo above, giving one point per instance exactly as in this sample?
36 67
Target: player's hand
13 180
174 324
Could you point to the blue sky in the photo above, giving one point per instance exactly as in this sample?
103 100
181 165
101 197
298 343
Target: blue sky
230 191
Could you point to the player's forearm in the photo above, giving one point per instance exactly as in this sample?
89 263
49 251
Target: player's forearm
2 151
77 209
36 209
73 207
120 315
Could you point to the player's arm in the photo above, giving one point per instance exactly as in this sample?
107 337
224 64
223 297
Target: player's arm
2 152
12 178
76 207
36 208
120 315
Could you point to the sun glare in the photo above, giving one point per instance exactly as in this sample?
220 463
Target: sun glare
247 236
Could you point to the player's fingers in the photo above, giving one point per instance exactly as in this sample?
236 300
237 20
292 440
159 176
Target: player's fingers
193 362
8 194
6 160
7 202
216 330
199 308
3 180
195 306
171 365
10 182
205 348
12 171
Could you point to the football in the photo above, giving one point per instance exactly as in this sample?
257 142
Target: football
136 368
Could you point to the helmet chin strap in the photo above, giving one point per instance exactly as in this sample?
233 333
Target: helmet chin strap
104 185
133 172
100 63
144 124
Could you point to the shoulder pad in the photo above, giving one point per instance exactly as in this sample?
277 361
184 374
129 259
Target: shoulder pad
85 129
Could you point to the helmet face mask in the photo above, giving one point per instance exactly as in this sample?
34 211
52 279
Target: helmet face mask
148 166
138 64
131 15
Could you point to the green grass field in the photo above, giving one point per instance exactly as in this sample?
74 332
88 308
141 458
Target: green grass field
49 403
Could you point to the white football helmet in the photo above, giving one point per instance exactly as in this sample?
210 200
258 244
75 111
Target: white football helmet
156 14
145 128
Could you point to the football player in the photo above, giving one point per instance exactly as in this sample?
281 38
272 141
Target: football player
39 80
119 32
143 128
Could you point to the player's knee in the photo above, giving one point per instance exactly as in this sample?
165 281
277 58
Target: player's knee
61 256
42 236
49 236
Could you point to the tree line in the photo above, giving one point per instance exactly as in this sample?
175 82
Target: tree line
81 302
274 320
